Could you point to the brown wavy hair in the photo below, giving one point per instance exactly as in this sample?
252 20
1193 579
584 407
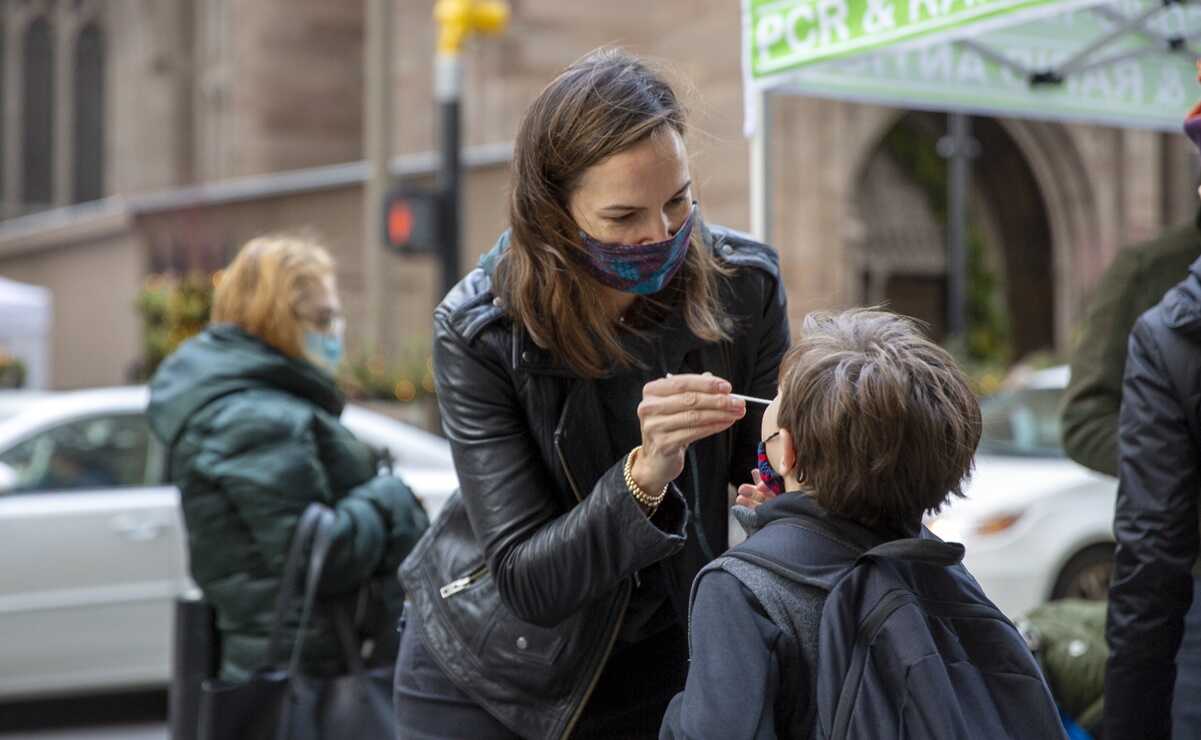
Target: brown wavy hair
884 423
599 106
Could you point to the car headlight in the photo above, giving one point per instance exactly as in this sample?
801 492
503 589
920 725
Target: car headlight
950 529
997 524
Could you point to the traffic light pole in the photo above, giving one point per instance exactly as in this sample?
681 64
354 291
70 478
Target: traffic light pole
450 170
457 20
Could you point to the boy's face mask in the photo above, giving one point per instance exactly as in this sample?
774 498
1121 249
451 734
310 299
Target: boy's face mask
768 474
641 269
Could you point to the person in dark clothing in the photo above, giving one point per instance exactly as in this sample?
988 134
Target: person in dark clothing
248 412
874 425
1136 281
549 598
1155 521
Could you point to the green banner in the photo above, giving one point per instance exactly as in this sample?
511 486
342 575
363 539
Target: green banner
782 35
1143 87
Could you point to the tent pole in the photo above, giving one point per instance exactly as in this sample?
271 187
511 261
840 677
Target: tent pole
957 183
761 174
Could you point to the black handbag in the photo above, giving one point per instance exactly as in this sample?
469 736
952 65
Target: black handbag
285 704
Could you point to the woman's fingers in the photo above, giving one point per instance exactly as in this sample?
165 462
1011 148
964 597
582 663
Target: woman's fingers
681 438
695 419
680 384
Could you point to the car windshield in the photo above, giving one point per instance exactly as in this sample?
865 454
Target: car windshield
1022 422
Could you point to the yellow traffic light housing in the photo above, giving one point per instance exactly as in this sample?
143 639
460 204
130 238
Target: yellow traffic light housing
458 19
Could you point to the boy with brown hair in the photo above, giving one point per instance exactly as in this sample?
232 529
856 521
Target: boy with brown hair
841 616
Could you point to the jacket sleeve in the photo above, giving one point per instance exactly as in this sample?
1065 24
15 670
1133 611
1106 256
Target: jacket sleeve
1155 524
733 671
546 563
403 514
1094 393
774 339
272 472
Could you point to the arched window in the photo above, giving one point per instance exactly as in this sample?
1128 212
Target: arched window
37 119
88 137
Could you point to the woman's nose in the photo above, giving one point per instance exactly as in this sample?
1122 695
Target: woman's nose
661 229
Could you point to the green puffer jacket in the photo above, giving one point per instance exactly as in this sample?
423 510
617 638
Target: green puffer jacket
1136 281
253 438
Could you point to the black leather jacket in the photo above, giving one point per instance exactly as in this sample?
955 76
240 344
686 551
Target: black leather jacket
521 584
1155 519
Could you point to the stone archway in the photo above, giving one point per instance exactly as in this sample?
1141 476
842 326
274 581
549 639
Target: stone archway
897 253
1063 179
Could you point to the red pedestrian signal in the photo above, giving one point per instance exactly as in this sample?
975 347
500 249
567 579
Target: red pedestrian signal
400 222
411 220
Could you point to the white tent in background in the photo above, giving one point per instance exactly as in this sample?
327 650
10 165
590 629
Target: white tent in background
25 323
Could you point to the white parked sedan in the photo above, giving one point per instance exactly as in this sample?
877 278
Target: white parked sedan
92 544
1036 525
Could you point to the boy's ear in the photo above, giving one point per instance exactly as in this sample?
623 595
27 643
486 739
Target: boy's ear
788 456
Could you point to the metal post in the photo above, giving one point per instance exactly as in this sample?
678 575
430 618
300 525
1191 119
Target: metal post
448 92
377 141
761 170
957 184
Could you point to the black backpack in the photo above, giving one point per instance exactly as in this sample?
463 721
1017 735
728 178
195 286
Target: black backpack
908 646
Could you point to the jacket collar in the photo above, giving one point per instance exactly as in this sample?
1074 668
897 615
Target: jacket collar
791 505
1181 305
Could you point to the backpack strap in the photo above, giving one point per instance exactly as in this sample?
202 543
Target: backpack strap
821 559
833 549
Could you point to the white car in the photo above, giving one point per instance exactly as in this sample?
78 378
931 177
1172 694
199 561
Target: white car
92 544
1036 526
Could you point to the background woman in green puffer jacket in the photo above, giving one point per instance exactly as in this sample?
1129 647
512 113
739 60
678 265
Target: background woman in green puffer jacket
249 413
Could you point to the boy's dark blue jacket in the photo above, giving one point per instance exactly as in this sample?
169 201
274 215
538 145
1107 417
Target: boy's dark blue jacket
739 656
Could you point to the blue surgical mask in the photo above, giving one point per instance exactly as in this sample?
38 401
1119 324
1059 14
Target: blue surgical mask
324 349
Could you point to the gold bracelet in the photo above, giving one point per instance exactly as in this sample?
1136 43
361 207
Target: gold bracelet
641 496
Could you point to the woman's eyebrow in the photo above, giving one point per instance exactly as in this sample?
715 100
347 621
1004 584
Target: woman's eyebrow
618 207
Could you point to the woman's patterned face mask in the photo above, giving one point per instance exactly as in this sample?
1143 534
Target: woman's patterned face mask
642 269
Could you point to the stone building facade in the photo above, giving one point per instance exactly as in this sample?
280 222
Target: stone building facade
195 120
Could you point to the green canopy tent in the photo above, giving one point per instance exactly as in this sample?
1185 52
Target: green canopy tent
1129 63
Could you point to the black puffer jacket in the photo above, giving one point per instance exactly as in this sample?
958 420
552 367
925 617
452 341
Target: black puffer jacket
1155 522
521 584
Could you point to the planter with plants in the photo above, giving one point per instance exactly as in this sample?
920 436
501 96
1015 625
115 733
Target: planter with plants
12 372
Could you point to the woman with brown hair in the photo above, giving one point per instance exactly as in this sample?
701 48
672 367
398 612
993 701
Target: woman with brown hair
585 372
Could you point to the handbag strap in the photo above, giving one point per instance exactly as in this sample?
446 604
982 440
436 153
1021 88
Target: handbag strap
322 540
305 529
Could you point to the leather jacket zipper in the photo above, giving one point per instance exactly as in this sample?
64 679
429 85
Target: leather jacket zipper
462 584
625 598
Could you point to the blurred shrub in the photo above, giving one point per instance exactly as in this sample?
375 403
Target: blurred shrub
12 371
173 309
409 376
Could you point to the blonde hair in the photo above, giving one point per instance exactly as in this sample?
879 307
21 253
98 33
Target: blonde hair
265 289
